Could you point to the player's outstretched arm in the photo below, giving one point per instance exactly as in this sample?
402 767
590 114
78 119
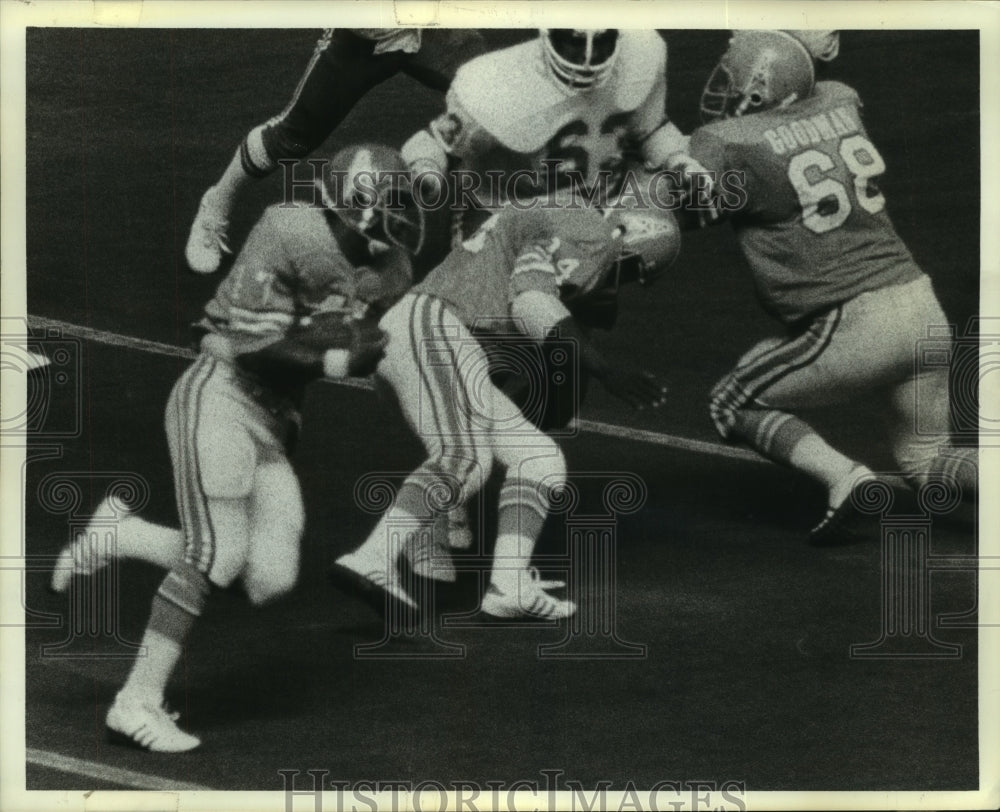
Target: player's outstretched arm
545 317
638 388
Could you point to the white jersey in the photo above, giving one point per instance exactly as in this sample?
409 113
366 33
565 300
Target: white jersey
507 111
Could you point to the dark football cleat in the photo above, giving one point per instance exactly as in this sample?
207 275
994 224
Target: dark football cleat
380 590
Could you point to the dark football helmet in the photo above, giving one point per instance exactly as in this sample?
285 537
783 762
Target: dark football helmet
761 70
367 186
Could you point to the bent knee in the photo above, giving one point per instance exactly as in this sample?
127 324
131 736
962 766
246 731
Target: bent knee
267 582
540 460
466 473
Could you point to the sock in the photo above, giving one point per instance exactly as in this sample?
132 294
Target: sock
524 506
236 175
791 441
179 600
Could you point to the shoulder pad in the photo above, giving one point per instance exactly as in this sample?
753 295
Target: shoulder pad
742 130
508 93
511 94
293 220
641 61
837 92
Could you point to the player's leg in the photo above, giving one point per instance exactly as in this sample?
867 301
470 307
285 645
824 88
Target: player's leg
919 420
343 68
114 531
214 460
535 469
868 344
419 366
116 534
918 424
442 377
276 522
756 404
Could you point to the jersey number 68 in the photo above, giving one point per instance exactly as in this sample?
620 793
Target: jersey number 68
826 203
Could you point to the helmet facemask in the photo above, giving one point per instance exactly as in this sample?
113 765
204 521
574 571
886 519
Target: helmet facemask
580 58
403 222
368 189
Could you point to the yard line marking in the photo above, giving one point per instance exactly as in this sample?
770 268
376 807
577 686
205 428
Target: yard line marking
141 344
104 772
668 440
590 426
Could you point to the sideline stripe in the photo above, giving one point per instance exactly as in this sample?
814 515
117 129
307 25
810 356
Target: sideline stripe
104 772
132 343
590 426
668 440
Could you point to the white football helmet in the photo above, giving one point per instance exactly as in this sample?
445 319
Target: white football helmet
760 71
581 58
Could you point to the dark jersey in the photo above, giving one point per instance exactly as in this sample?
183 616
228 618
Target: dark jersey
814 227
564 253
290 271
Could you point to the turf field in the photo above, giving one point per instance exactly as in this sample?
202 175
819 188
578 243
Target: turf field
745 631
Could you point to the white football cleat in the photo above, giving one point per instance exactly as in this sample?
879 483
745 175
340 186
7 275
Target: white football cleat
140 722
531 601
87 553
207 241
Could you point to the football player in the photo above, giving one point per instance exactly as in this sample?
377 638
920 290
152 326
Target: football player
829 265
346 64
530 267
557 111
289 311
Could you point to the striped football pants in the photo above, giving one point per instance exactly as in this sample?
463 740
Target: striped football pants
238 498
869 346
440 375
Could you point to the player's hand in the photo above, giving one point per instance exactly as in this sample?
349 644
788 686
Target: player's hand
639 389
697 187
368 344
